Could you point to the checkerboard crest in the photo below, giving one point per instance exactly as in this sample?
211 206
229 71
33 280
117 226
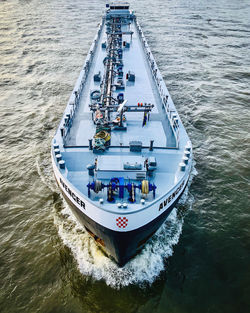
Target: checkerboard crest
122 222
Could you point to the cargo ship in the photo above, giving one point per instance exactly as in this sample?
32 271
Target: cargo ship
121 155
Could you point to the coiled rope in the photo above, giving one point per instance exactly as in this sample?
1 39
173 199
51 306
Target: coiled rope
103 135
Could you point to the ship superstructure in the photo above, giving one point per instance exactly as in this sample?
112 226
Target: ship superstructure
121 155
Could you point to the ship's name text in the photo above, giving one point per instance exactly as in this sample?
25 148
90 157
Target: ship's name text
171 197
72 195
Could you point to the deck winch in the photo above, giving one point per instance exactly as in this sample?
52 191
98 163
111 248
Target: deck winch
117 185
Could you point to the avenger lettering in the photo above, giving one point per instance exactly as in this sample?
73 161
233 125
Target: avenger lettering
72 195
171 197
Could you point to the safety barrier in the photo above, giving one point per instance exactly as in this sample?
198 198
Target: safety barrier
161 86
75 97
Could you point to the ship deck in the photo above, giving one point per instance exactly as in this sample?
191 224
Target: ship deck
165 177
143 90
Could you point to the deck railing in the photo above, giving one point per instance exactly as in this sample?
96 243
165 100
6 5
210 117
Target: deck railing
166 100
74 99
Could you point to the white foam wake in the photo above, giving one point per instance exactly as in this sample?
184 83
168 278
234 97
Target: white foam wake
144 268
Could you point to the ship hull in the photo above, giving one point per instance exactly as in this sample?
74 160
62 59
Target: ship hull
120 246
107 154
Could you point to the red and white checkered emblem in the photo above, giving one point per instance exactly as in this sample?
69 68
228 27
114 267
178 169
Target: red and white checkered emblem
122 222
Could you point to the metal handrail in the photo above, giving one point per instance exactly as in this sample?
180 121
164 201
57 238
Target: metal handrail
159 83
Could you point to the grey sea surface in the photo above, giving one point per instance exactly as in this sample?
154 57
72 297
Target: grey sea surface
199 260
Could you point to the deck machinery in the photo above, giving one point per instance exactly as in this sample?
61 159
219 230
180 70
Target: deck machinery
121 155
